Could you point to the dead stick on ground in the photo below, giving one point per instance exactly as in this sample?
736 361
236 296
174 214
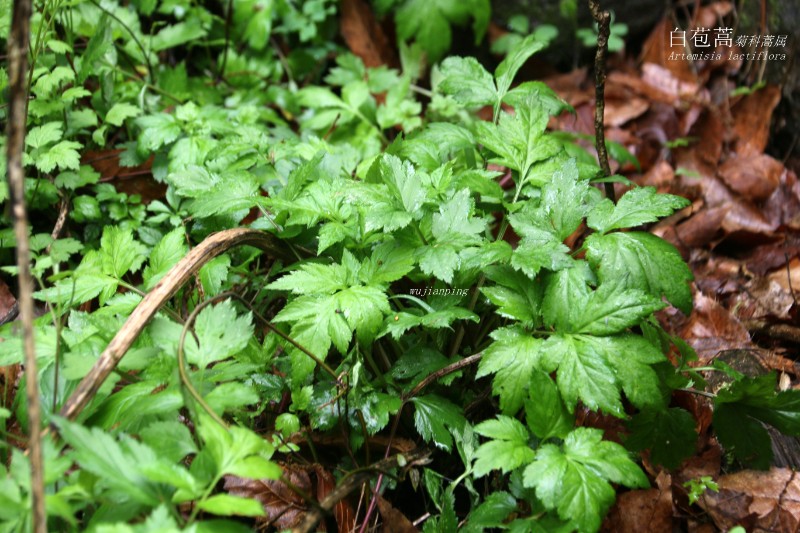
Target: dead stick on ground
18 44
207 250
603 22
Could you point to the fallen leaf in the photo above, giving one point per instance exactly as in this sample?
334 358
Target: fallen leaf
711 329
364 36
393 520
751 120
755 177
759 501
8 304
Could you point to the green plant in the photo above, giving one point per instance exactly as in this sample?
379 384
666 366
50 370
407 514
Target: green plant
425 300
698 487
616 39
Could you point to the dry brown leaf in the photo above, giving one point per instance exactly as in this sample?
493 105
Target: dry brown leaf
788 279
130 180
665 81
755 177
702 155
641 510
762 298
285 509
364 36
711 328
759 501
8 304
393 520
751 120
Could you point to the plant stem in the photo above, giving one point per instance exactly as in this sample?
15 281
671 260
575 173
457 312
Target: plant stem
18 46
603 21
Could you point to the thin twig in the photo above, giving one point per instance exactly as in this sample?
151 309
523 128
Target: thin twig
603 20
18 45
442 372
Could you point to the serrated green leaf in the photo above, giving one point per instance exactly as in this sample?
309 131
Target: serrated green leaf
512 357
519 140
565 294
468 82
63 155
515 295
221 333
433 415
157 131
116 464
440 261
641 261
169 250
172 439
396 325
638 206
120 111
575 480
119 252
508 68
314 278
43 135
742 407
492 512
545 414
508 448
610 310
583 373
669 435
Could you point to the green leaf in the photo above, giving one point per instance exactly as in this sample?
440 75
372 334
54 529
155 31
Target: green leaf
641 261
564 202
227 505
545 413
508 448
519 140
492 512
63 155
221 334
583 373
508 68
172 440
467 82
169 250
120 111
43 135
157 131
742 407
610 310
454 221
574 479
399 323
315 278
177 34
433 415
515 295
638 206
669 435
565 294
512 357
119 252
116 464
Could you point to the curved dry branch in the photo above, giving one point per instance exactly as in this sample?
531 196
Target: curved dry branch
204 252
